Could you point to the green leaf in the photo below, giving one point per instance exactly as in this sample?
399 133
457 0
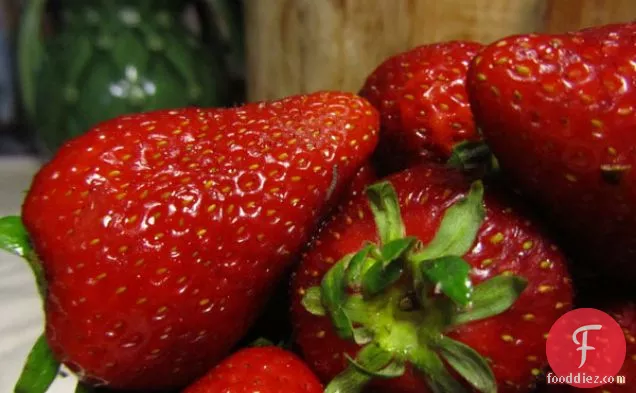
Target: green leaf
377 362
379 274
349 381
39 370
444 383
492 297
378 277
451 274
459 227
468 363
371 361
362 335
468 155
355 268
396 248
439 379
385 206
312 301
394 369
13 236
358 310
334 297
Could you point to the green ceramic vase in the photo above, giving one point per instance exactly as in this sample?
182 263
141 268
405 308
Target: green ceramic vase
112 57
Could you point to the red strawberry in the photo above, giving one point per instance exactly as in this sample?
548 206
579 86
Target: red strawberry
162 234
401 319
362 179
262 370
625 315
274 323
423 103
558 113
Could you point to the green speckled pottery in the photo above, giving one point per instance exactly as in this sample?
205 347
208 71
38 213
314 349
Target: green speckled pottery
113 57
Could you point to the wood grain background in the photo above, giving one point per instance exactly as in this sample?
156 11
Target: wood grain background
296 46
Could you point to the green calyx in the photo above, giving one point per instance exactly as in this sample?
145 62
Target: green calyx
473 156
15 239
398 299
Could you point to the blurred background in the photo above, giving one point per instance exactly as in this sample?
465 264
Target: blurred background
68 64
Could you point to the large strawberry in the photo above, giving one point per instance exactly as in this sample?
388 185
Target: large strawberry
259 369
367 297
625 315
162 234
423 103
558 113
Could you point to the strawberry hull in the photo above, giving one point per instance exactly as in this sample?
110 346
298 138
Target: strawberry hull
558 113
162 234
506 244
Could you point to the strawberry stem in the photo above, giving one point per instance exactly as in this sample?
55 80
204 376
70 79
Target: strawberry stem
395 310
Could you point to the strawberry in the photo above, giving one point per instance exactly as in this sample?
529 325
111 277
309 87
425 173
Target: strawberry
162 234
420 270
423 103
625 315
558 113
259 369
274 324
365 176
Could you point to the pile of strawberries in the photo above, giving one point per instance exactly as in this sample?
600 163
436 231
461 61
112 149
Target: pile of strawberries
425 234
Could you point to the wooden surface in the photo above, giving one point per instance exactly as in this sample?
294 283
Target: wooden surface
298 46
567 15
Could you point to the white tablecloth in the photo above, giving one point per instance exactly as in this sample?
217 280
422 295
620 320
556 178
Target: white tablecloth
20 308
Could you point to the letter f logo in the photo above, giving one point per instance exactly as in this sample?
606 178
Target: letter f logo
583 344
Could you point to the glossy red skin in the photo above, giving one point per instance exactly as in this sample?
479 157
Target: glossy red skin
162 234
625 315
555 123
274 323
365 176
423 103
424 193
259 370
